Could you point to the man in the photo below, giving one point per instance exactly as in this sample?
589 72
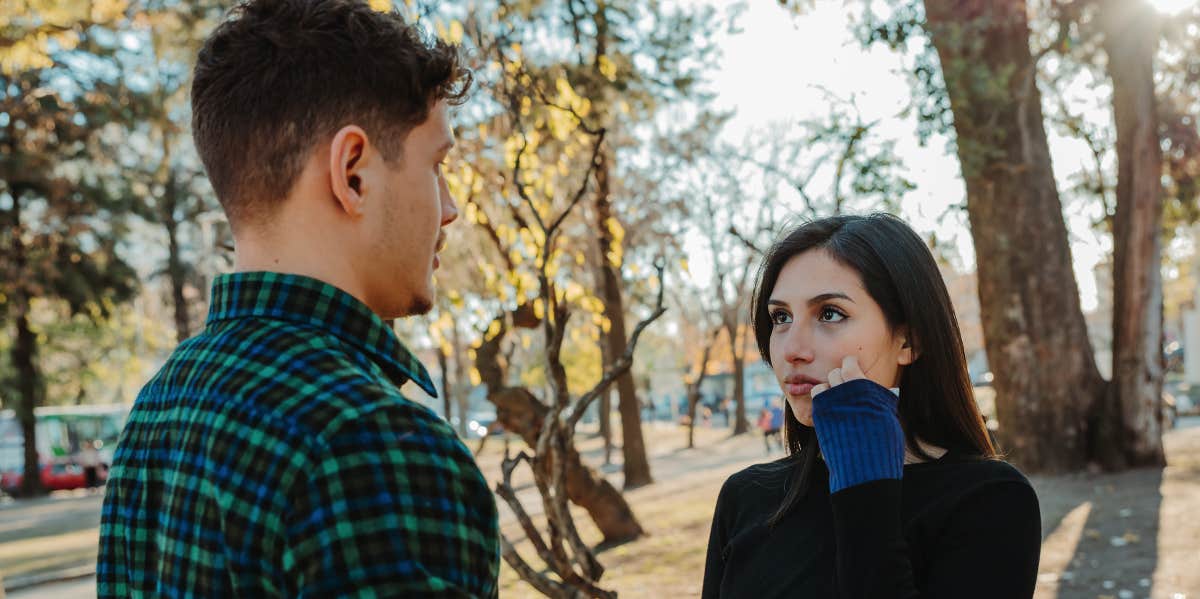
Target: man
273 454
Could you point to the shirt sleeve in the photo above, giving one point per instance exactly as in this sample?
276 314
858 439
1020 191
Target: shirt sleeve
395 506
989 549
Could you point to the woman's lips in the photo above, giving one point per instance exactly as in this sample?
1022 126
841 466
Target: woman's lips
799 384
798 388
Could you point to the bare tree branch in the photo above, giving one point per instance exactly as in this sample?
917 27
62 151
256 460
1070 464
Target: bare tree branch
621 364
746 242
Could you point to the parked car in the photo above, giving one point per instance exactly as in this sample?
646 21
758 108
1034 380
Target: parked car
56 476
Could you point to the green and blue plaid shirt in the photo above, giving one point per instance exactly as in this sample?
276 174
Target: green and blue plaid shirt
274 455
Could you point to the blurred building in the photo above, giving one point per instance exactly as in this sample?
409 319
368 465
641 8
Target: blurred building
1191 318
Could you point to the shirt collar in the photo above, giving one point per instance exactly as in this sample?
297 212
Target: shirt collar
308 301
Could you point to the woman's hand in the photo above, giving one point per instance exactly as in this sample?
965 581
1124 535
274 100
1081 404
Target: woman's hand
849 371
858 428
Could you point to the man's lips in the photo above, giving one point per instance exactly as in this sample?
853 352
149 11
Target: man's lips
441 244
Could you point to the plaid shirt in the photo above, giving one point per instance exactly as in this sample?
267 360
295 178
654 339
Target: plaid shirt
273 455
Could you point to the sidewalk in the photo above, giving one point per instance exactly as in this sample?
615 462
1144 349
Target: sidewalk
48 539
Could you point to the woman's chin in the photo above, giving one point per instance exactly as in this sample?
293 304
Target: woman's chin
802 409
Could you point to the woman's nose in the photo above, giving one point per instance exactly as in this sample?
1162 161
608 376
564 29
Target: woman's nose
798 345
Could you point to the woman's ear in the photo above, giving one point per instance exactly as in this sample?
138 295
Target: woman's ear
908 347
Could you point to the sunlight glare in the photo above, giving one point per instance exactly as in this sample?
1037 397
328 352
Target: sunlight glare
1172 7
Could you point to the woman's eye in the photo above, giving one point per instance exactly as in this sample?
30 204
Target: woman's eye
779 317
829 314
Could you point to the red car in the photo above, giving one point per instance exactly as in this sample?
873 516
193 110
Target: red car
55 477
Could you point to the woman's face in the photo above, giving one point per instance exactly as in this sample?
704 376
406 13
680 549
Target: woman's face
821 313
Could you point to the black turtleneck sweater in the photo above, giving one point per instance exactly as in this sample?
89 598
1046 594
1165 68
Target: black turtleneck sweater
955 527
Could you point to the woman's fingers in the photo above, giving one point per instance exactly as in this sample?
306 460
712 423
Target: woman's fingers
835 377
850 369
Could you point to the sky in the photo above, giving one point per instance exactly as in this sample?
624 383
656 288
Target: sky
775 70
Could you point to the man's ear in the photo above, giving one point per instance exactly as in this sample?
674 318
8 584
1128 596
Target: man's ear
908 347
346 153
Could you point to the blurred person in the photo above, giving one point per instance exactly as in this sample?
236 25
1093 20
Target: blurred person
770 421
89 460
274 454
892 487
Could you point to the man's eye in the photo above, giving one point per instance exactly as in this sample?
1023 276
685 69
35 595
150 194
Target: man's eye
779 317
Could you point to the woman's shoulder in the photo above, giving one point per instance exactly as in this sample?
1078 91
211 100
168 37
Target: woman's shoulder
994 470
755 473
753 492
764 478
958 478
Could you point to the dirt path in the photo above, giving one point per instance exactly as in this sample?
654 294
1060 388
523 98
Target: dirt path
1130 535
1125 536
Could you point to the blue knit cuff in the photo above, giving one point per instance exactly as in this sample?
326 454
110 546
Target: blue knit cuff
858 429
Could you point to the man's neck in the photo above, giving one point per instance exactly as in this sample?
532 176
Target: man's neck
288 254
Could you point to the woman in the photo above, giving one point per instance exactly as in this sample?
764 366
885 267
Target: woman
891 487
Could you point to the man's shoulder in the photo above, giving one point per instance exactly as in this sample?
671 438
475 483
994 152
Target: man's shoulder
259 357
304 381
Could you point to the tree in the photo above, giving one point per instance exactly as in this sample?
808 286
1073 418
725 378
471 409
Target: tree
61 198
1029 299
609 36
708 332
1130 418
1055 413
170 183
528 164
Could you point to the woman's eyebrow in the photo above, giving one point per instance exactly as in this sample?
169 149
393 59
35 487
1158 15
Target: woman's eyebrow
824 297
775 302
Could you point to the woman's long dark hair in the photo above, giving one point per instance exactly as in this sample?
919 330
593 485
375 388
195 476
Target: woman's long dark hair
937 404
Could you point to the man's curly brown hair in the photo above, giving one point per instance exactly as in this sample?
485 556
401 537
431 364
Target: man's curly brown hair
279 76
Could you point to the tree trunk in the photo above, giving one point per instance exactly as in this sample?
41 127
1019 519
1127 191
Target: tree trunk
30 385
604 413
444 367
1129 423
175 268
462 392
1037 345
693 388
487 358
741 425
522 413
604 406
30 388
633 447
693 398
